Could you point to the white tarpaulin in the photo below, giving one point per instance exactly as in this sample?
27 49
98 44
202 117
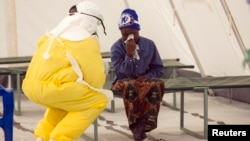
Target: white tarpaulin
210 34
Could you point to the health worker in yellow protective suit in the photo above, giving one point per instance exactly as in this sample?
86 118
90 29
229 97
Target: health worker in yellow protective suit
66 75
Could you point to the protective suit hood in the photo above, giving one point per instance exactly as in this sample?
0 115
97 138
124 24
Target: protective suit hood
80 25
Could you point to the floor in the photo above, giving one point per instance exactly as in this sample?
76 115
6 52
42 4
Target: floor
113 126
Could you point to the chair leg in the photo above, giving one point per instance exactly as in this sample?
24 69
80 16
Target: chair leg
8 133
7 119
113 106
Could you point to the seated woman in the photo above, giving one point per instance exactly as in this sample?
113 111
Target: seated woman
138 67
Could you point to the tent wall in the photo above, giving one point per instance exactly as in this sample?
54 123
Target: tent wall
35 18
209 39
207 27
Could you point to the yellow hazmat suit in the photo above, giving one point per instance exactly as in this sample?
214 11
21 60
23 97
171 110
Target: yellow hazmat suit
55 79
51 82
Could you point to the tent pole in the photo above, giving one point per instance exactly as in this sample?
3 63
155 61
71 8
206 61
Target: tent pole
210 91
126 3
234 27
10 13
188 40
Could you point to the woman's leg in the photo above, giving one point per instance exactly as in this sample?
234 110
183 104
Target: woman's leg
134 105
153 100
142 98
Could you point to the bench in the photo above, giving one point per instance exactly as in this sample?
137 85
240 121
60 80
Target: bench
174 64
17 70
183 84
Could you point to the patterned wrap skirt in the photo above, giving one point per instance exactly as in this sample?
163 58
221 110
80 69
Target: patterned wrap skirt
142 98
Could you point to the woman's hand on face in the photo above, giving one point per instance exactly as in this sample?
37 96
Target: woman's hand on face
130 47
